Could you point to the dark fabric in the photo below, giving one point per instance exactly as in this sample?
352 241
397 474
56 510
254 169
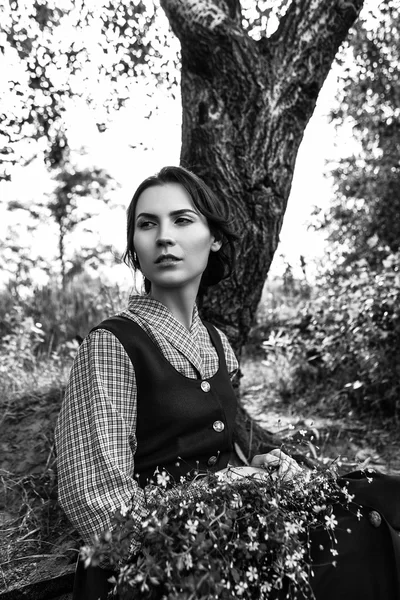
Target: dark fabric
92 583
380 491
175 416
368 560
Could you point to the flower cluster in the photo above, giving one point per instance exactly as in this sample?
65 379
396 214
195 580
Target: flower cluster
213 538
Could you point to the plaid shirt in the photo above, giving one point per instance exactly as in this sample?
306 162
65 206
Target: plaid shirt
96 429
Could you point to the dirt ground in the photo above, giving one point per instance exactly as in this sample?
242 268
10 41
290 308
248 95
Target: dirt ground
351 440
28 479
37 543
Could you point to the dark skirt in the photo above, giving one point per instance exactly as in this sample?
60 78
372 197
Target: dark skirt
92 583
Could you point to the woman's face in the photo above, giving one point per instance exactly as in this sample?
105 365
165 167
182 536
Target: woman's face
172 239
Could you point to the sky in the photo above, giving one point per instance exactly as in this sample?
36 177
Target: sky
136 145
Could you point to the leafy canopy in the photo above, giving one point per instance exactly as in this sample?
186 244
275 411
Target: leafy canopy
363 221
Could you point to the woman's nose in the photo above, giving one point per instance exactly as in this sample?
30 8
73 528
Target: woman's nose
165 237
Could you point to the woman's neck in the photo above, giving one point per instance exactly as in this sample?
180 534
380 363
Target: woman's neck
180 302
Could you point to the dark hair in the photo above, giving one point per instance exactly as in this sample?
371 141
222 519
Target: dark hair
216 211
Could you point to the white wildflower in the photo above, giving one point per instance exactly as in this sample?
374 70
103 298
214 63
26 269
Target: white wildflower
241 588
330 521
252 574
291 528
192 526
163 479
200 506
273 503
253 546
349 497
86 555
291 562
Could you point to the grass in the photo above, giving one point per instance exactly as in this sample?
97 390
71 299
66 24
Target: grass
35 536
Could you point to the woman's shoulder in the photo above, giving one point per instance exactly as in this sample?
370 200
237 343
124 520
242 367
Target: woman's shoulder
105 333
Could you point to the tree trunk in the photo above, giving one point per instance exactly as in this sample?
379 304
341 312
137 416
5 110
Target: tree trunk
246 104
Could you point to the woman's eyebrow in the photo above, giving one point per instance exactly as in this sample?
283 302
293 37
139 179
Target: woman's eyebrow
174 213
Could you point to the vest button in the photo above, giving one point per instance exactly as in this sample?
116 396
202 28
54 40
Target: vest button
211 461
205 386
375 518
218 426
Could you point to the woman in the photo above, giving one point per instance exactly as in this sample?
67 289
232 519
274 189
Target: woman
151 388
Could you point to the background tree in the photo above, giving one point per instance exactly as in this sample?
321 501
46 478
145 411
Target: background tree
65 208
71 187
246 102
247 97
363 220
61 53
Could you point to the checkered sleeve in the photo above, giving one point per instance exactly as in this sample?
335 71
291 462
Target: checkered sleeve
96 436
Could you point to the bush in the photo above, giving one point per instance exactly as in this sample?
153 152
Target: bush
61 314
345 341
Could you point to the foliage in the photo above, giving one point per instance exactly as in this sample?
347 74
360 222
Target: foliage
58 315
219 537
61 53
261 18
70 204
342 345
20 346
363 220
61 57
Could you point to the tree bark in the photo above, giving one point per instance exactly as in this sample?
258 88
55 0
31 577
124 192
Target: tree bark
246 104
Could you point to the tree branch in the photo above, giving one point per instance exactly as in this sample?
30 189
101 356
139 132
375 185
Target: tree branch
306 42
190 19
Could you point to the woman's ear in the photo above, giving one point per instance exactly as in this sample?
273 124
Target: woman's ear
216 245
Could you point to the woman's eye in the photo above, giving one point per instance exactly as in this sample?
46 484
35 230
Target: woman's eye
183 221
145 224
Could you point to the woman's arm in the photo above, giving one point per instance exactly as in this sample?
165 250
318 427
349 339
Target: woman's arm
95 436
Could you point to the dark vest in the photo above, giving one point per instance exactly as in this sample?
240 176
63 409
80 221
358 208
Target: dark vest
183 424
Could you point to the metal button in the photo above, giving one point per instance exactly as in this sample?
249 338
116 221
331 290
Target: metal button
375 518
212 460
205 386
218 426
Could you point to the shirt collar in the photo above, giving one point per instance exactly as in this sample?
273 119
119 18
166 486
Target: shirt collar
158 317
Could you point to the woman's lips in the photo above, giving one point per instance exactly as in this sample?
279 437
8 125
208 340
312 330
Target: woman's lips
167 259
